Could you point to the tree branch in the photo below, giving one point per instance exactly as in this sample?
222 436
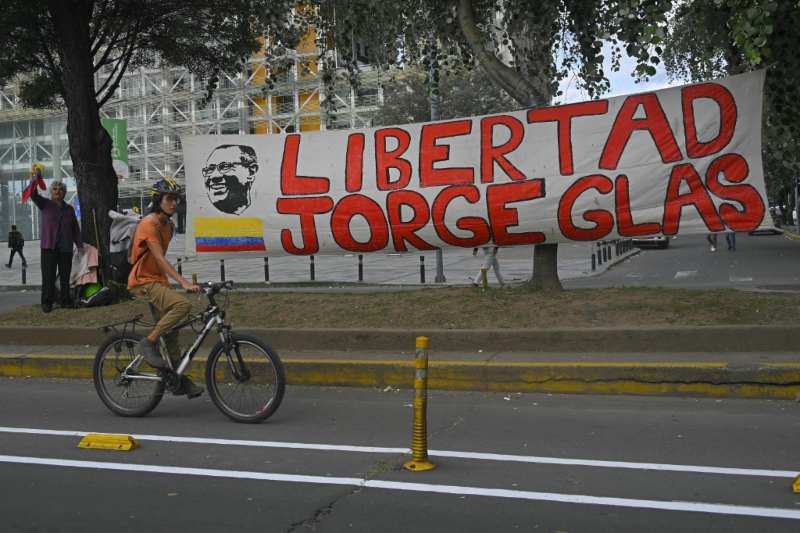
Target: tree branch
503 76
117 75
98 37
109 47
55 71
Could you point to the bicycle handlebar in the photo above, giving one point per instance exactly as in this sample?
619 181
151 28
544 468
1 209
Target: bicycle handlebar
214 287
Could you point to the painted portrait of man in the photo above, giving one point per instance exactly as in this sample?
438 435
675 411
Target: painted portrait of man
229 173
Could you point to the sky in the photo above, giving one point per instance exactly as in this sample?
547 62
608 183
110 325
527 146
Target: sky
622 82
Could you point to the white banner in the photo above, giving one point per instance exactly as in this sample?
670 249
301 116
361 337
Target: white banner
679 160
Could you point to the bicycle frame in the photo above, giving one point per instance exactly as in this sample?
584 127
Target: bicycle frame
213 316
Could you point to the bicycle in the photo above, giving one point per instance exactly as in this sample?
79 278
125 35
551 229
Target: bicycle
238 365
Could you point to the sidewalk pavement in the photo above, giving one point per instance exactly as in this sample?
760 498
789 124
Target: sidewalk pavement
516 265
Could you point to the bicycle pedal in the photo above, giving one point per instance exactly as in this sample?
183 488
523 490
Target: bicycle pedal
171 381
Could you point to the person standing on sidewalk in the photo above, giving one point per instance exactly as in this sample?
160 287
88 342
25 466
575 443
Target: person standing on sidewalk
148 281
730 239
59 231
489 262
16 242
712 241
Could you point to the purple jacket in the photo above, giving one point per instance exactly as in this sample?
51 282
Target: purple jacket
51 212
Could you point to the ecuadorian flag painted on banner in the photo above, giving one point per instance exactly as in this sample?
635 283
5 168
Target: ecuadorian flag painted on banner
228 234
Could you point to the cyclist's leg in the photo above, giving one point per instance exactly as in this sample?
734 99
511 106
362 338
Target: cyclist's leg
173 308
170 307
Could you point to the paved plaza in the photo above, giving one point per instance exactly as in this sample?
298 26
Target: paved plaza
516 265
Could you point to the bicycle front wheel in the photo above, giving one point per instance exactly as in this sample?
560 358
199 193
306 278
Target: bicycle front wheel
246 381
125 396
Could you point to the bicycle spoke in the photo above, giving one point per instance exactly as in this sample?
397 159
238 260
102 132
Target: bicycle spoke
124 396
250 397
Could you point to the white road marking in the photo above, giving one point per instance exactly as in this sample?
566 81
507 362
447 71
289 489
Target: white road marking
481 456
737 279
695 507
681 274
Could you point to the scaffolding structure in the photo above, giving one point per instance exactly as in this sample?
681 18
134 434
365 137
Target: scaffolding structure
163 103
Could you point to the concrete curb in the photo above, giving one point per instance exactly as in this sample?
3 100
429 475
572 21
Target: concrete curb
686 339
711 379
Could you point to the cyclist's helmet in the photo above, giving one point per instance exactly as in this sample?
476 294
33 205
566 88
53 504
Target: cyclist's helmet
159 189
165 186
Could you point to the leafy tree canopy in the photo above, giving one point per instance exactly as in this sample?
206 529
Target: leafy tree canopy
39 39
525 46
462 93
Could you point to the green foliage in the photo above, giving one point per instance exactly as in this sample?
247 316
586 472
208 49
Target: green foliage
462 93
206 36
525 46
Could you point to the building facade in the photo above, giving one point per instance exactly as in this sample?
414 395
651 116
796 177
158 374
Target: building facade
163 103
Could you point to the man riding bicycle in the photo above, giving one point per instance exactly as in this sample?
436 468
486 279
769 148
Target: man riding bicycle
148 279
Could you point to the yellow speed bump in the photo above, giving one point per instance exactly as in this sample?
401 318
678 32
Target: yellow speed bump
100 441
796 485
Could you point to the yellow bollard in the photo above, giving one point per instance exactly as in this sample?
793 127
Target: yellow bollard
796 485
485 277
419 440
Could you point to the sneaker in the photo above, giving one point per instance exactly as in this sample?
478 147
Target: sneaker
189 388
148 350
713 248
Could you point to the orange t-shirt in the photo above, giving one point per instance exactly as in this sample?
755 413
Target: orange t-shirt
145 269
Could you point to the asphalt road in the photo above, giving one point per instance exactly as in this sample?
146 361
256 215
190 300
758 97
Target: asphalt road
759 262
279 481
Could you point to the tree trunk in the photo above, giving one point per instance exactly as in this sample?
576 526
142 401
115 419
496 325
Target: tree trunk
545 256
89 143
545 268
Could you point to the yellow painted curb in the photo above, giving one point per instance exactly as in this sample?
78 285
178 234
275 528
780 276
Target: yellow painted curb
792 236
692 378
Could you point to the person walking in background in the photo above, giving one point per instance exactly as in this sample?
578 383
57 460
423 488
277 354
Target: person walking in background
16 242
712 241
59 231
730 238
489 262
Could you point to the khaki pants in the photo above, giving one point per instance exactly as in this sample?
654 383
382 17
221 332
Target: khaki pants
171 308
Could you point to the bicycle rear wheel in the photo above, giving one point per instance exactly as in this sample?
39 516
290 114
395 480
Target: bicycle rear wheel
124 396
248 382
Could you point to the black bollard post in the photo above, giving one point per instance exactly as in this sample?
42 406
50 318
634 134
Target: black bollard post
594 264
599 255
360 267
180 267
24 274
266 270
222 270
311 268
422 269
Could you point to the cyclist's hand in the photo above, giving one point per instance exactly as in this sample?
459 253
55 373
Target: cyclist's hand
190 287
